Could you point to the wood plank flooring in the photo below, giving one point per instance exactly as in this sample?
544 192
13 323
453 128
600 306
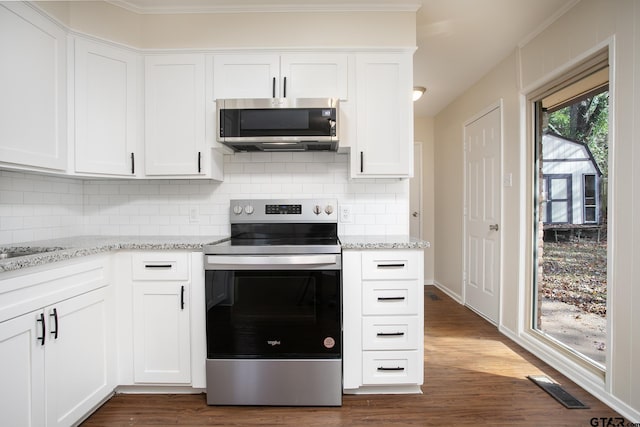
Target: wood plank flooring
473 376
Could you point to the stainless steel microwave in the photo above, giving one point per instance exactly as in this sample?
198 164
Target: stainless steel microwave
278 124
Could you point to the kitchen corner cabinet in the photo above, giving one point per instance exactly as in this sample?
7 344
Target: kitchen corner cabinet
175 144
106 109
56 349
383 321
33 84
161 310
299 75
384 137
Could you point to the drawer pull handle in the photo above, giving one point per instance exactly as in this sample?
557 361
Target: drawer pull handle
157 266
399 265
391 298
382 368
390 334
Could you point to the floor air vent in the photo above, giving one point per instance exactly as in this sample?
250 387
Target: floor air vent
433 296
557 392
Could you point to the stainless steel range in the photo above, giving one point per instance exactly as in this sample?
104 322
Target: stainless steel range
274 317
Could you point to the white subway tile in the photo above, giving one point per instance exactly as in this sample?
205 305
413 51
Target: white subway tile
58 207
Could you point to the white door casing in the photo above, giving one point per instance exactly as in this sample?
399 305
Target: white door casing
482 209
415 193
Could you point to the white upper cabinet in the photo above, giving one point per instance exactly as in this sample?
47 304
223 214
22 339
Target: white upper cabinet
384 135
33 84
106 108
174 126
315 75
308 75
246 76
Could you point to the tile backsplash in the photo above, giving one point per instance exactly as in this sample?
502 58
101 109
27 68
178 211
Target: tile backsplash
34 207
37 207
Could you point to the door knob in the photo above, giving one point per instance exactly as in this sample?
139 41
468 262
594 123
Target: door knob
415 214
493 227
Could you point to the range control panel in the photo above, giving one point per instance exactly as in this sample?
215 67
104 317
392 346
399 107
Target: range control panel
283 209
306 210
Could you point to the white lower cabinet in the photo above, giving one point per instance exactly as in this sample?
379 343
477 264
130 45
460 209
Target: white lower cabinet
78 362
161 313
383 319
57 355
22 371
161 333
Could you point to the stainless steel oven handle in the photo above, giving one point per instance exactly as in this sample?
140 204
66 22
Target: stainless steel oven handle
273 260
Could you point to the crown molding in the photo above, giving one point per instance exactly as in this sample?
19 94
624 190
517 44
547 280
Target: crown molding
143 7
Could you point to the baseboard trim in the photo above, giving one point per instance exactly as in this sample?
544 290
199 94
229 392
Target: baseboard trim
457 298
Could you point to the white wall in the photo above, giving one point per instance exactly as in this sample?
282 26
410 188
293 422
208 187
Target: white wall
587 27
236 30
35 207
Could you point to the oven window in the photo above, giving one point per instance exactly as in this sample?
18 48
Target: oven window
273 313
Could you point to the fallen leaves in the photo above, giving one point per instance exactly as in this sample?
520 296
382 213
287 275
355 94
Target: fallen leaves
576 273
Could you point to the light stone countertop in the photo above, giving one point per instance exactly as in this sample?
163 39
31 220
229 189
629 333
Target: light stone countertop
55 250
74 247
382 242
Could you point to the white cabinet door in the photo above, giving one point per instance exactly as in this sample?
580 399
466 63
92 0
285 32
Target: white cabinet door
79 356
174 115
308 75
315 75
384 144
246 76
33 84
105 109
22 371
161 333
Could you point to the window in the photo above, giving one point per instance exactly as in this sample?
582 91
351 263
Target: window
568 243
590 198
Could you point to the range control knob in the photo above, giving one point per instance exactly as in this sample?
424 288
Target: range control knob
328 209
248 209
237 209
317 210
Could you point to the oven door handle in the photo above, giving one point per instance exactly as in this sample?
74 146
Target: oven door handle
272 260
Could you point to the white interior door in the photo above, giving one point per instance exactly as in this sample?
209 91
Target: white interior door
415 193
482 215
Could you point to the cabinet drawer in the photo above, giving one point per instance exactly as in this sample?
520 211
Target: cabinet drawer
160 266
390 333
401 297
395 264
391 367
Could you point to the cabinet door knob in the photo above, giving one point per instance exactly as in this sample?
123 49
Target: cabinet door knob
493 227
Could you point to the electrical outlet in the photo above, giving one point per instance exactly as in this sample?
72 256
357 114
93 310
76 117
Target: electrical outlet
194 215
345 214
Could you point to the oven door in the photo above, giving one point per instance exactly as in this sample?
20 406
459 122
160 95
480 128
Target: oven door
273 307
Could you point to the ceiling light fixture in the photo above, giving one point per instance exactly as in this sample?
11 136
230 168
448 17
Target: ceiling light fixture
418 91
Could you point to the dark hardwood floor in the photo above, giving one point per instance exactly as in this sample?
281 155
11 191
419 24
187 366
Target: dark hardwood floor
473 376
